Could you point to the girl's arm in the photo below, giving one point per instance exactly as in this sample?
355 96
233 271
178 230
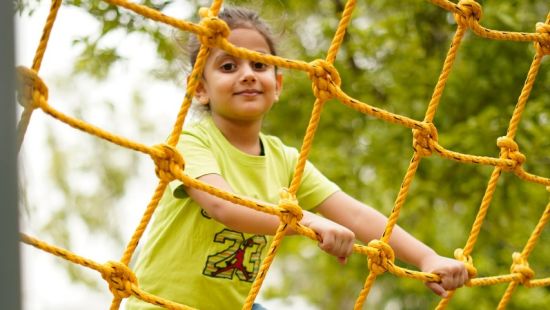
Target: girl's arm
232 215
368 224
345 219
335 238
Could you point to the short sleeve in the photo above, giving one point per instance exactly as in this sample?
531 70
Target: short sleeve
197 155
315 187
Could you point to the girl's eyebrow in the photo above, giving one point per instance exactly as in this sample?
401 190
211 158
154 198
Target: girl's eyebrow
224 54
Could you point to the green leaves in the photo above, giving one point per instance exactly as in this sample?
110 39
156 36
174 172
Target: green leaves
94 60
393 57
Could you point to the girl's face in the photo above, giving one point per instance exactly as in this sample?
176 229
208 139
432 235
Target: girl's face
239 89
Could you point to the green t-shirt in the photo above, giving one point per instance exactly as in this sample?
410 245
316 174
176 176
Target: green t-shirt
194 260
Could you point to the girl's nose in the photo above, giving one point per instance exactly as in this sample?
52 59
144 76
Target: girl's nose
248 75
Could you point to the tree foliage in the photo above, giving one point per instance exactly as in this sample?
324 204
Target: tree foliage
391 59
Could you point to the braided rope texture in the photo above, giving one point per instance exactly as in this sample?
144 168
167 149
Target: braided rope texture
170 164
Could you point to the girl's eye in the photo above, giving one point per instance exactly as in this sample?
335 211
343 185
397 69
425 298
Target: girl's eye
228 67
259 66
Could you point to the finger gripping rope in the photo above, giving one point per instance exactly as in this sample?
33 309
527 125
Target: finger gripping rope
509 150
217 29
120 279
468 262
325 79
544 45
469 10
292 213
31 90
384 259
521 266
167 161
425 140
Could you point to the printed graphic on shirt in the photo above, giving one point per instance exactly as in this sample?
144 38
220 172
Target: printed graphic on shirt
204 214
240 257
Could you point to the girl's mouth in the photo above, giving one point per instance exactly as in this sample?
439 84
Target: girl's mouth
248 92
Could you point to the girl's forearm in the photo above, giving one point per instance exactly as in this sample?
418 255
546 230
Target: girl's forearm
256 222
246 220
406 247
235 216
368 224
409 249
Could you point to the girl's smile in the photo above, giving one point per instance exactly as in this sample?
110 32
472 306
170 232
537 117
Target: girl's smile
249 92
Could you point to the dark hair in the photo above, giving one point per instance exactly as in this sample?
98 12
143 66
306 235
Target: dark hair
237 17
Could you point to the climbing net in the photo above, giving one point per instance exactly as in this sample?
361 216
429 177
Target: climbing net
170 165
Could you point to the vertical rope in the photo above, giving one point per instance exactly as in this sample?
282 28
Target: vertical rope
507 295
115 303
319 102
535 235
192 84
525 92
445 72
22 126
401 197
306 145
445 301
37 62
365 291
138 233
277 239
340 31
41 49
527 250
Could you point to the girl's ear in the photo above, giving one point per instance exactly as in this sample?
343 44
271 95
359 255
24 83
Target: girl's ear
278 85
200 93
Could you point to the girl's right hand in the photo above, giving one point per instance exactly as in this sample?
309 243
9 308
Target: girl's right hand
453 273
334 238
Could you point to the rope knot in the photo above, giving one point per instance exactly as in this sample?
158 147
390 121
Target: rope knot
468 262
425 140
292 213
521 267
216 29
544 45
120 279
509 150
469 10
325 79
167 161
31 90
384 258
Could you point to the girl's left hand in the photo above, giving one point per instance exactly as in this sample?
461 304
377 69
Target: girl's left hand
453 273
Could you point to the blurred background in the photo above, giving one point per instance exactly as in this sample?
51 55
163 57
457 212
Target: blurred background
126 74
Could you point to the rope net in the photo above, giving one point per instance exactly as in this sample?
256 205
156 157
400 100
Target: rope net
170 164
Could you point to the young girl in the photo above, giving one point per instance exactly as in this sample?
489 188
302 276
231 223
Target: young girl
205 252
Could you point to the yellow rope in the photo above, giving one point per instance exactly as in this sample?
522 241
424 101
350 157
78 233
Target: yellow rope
293 215
170 164
37 62
122 282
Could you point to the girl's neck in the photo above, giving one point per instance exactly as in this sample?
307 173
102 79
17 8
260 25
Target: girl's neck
244 135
